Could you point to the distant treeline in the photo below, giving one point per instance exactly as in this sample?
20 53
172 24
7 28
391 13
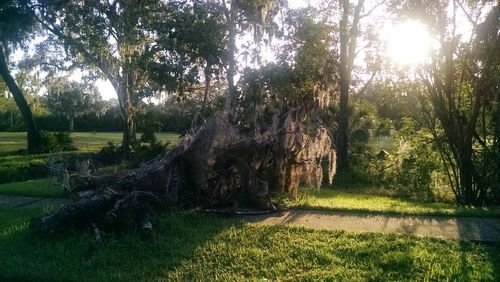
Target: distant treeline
111 120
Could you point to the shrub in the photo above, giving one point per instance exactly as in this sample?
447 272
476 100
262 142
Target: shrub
110 154
20 168
57 141
143 150
414 169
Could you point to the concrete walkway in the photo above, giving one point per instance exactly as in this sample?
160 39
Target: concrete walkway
29 202
457 228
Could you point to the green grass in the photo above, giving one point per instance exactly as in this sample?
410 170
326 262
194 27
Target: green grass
84 141
334 200
194 247
45 187
18 167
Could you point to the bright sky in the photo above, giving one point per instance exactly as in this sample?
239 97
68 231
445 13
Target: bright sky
407 43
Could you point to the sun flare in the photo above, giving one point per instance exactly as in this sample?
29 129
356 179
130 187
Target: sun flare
408 43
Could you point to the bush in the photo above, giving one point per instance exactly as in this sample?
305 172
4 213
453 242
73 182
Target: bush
110 154
143 150
20 168
414 170
57 141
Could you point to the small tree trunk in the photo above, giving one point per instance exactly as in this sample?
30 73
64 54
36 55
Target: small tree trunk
71 124
208 78
123 89
466 170
128 136
343 118
34 137
230 106
11 118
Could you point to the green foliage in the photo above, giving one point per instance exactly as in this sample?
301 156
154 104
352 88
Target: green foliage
191 36
303 78
110 154
143 150
414 168
363 124
148 136
194 247
72 99
385 127
487 161
394 99
10 116
16 21
57 141
148 148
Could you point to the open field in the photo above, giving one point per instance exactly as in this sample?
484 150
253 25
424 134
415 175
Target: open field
84 141
19 167
190 246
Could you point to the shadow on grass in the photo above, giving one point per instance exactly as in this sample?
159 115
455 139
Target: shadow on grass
75 256
494 256
491 253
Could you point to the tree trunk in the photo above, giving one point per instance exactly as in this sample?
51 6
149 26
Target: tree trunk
496 150
71 124
128 137
466 170
128 130
343 127
34 137
123 89
11 118
348 44
343 118
208 78
230 106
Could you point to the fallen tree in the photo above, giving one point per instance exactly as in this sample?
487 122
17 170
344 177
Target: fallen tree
218 165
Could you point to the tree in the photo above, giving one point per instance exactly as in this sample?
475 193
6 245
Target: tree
112 37
71 99
16 23
459 82
240 16
192 41
349 31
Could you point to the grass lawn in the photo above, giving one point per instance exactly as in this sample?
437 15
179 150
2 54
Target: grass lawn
45 187
341 200
194 247
326 199
17 167
84 141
